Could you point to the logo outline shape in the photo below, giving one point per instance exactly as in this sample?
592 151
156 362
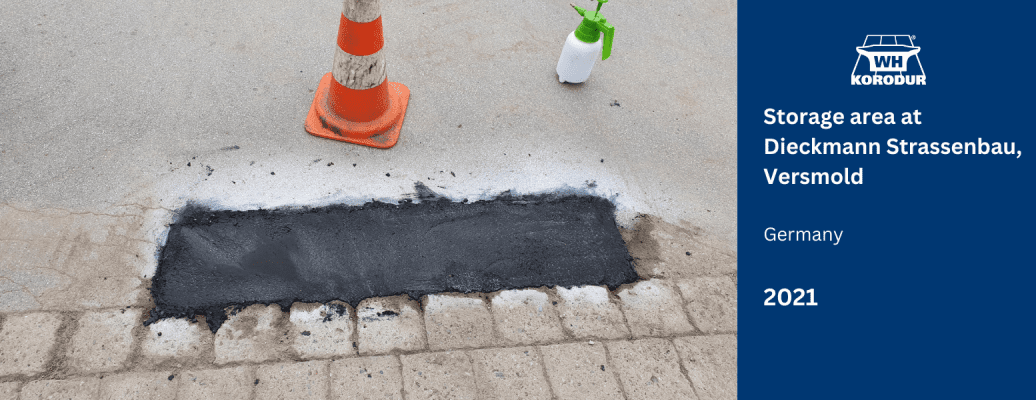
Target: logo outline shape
888 57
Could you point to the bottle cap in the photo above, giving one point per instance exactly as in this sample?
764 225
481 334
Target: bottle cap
593 24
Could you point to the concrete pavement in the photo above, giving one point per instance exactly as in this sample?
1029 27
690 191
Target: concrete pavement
105 103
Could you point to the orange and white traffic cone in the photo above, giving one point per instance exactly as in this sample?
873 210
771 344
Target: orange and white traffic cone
355 102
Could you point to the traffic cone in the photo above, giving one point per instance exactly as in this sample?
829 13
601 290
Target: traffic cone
355 102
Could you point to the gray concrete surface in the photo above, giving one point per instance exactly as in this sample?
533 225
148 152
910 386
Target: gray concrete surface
104 103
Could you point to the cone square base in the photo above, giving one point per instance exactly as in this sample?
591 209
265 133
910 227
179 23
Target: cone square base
382 132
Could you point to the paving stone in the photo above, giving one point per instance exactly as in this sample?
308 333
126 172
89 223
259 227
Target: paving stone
711 302
665 250
26 342
322 330
304 380
389 323
711 363
653 308
143 386
253 334
9 390
72 389
650 369
224 384
526 317
457 321
511 373
580 371
179 338
103 340
377 377
446 375
587 312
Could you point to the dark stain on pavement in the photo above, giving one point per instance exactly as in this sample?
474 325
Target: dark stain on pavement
215 260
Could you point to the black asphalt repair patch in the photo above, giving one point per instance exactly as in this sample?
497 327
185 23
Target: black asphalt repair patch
219 260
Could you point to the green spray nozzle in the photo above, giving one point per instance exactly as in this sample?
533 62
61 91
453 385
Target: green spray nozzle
593 24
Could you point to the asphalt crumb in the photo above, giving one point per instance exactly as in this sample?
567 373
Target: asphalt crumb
229 148
251 163
615 103
271 173
602 367
257 381
209 170
336 309
354 165
602 160
688 253
305 333
388 314
387 174
330 164
171 377
188 163
454 175
458 126
159 333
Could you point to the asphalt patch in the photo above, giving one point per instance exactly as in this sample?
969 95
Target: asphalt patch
217 260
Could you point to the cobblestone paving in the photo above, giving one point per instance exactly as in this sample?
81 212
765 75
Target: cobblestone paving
73 296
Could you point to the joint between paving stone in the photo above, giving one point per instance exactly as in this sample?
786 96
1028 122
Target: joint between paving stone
543 370
474 373
698 331
57 364
614 372
487 304
402 371
354 338
136 355
613 297
554 299
683 370
328 381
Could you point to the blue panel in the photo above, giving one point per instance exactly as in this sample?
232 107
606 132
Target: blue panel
929 295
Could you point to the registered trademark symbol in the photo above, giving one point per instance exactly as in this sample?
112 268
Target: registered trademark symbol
913 37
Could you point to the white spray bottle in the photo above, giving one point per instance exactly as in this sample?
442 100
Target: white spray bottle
584 44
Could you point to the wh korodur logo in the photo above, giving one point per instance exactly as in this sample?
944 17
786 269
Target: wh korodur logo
888 60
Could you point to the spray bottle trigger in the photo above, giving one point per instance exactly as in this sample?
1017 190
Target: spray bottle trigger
609 33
